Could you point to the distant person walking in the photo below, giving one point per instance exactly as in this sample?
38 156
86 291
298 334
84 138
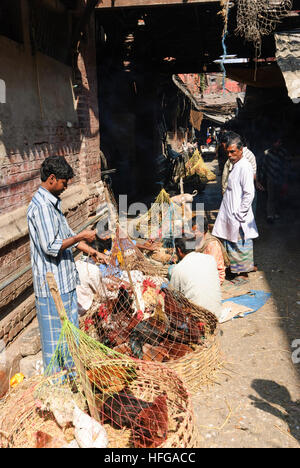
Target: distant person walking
221 150
273 177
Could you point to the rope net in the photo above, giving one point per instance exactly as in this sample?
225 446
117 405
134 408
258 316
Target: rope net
135 312
196 165
163 220
103 398
258 18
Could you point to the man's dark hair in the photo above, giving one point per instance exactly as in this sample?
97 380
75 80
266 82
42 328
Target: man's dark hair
102 244
223 136
58 166
234 139
183 244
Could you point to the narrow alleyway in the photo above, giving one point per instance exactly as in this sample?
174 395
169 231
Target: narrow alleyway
255 401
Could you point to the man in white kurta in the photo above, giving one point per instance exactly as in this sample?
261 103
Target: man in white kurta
235 223
196 277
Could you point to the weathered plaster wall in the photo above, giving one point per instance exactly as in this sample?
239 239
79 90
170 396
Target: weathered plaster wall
42 115
34 121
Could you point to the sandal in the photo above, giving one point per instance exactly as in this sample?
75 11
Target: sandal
239 281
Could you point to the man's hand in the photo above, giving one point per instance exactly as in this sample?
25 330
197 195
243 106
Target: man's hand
152 245
84 236
150 248
99 257
260 187
88 235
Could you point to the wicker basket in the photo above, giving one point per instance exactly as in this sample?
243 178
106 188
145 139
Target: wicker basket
199 368
196 368
183 432
20 419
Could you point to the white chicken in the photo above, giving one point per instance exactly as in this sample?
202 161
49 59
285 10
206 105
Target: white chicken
88 432
66 409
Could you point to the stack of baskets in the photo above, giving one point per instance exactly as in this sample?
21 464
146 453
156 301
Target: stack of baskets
153 350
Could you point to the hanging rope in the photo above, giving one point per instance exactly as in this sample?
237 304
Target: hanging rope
225 14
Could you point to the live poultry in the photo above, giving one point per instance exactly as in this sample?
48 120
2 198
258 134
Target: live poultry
183 327
155 353
44 440
151 428
118 319
151 331
148 421
176 350
166 351
172 324
111 378
124 302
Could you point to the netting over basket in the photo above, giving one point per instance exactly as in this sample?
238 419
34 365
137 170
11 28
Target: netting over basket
163 220
126 255
196 165
155 403
132 403
135 313
258 18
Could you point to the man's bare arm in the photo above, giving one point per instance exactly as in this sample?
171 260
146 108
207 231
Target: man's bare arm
86 235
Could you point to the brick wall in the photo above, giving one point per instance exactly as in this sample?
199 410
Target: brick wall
59 121
20 173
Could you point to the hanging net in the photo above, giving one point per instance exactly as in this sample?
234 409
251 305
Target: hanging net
104 399
137 314
258 18
164 220
196 165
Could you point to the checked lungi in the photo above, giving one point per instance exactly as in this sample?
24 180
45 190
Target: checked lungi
50 330
240 254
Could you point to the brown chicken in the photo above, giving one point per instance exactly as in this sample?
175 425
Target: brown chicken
123 349
148 421
151 428
167 350
183 327
155 353
149 331
119 321
111 378
176 350
44 440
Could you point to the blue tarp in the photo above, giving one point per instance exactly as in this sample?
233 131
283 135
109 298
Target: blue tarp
254 300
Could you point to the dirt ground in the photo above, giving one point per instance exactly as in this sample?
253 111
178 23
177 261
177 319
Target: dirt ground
255 400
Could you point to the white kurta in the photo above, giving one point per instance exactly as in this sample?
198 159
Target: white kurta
236 211
196 277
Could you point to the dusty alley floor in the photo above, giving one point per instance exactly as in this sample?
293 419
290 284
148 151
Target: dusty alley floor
255 401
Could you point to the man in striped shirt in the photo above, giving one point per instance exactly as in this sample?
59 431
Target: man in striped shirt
51 243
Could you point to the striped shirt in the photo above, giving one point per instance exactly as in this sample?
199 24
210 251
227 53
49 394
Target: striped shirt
48 228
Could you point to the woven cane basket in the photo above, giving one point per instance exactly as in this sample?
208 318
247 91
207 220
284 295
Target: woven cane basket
198 369
20 420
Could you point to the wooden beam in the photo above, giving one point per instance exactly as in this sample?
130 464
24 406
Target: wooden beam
84 20
146 3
